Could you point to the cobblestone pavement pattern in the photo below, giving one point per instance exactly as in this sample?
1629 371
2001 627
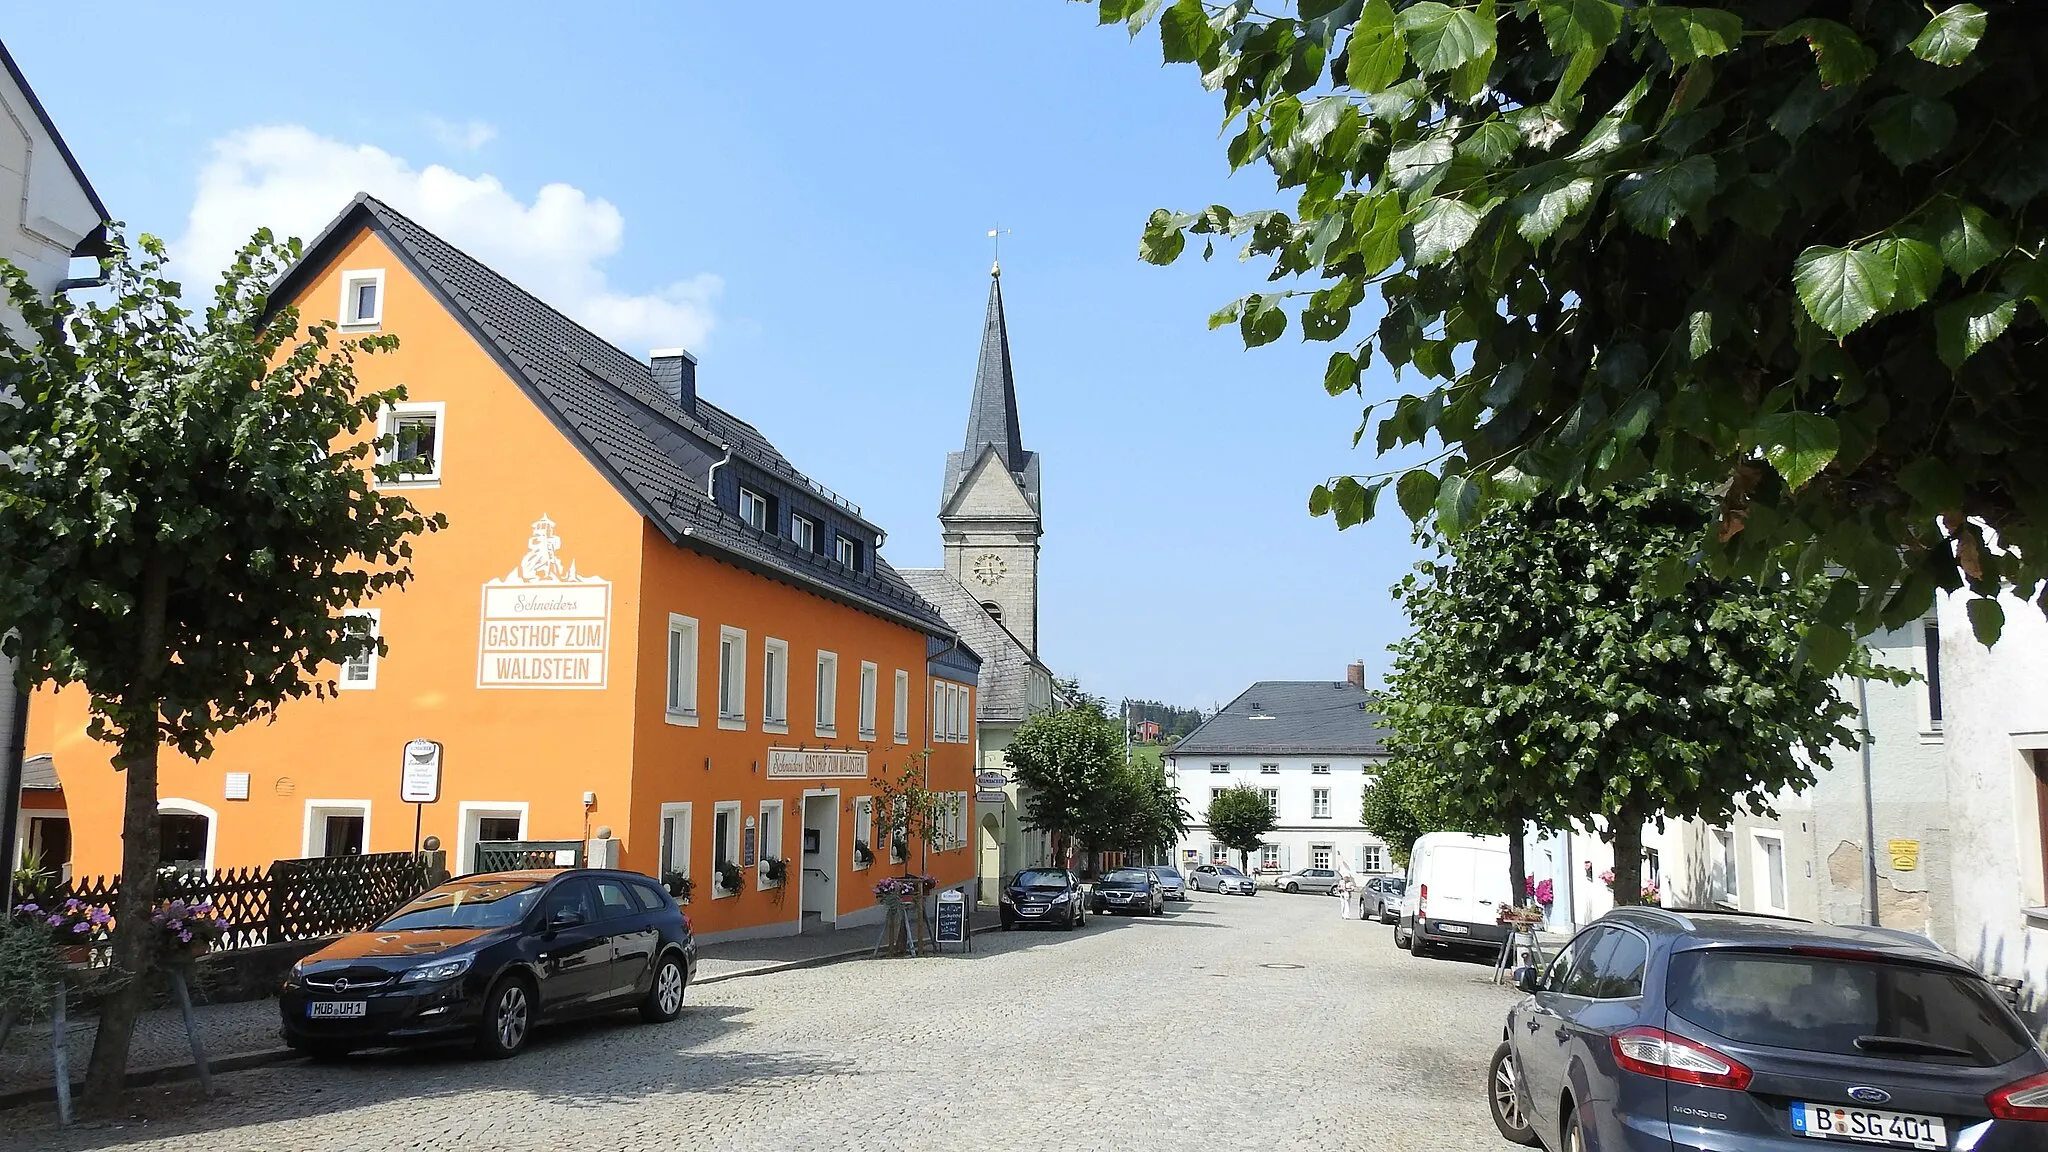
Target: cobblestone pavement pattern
1232 1022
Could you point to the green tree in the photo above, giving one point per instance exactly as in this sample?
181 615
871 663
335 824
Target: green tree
1783 249
906 808
1408 798
188 509
1239 818
1063 761
1566 661
1138 810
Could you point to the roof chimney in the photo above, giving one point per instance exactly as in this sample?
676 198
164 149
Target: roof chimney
675 374
1356 673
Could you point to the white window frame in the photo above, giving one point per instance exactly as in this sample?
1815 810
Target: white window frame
938 711
313 835
1272 796
809 541
775 686
351 280
758 518
1930 683
469 812
1319 804
732 678
1269 769
1214 767
679 699
766 845
731 810
387 425
902 706
1319 769
864 828
826 719
683 813
870 684
1727 865
1372 858
1219 853
369 659
845 550
1762 859
1269 857
1328 853
179 806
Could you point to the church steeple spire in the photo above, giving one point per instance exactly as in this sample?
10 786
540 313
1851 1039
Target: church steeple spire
992 416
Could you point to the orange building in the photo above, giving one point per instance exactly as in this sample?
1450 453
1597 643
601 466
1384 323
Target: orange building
640 617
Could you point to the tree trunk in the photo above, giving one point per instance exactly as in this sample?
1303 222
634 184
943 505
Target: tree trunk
1628 857
1518 864
141 852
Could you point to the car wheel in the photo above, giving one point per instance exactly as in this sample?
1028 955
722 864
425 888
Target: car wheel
1293 887
1502 1100
1574 1135
665 999
508 1019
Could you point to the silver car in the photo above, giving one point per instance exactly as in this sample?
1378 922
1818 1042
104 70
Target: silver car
1381 898
1170 884
1322 880
1222 878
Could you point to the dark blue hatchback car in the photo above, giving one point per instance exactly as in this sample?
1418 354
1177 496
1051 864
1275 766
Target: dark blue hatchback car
1663 1030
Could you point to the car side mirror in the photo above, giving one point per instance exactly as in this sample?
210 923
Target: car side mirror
562 918
1525 979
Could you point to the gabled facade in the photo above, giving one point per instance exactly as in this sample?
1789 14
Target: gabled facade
623 627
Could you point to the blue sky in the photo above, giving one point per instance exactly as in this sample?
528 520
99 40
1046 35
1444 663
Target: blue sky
804 200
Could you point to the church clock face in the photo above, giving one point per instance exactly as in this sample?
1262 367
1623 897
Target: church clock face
989 568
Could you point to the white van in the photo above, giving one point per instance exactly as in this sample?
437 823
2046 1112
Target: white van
1457 885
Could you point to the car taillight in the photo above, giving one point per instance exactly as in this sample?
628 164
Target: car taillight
1655 1052
1421 901
2022 1099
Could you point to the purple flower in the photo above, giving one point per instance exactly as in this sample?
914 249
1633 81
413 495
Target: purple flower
185 937
76 928
56 921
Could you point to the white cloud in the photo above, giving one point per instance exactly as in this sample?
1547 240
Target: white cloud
466 137
293 181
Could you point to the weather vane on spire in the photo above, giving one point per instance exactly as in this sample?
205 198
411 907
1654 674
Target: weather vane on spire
997 234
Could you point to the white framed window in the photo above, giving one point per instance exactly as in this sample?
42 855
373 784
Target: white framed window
732 677
846 551
959 820
1727 879
869 685
1219 767
863 828
725 843
336 828
1272 796
1372 858
774 685
1319 855
1930 671
828 693
1269 769
1218 854
902 704
675 841
770 845
938 711
896 846
1319 807
1269 857
360 671
1770 870
679 703
1319 769
362 298
966 729
1215 793
754 509
413 438
804 532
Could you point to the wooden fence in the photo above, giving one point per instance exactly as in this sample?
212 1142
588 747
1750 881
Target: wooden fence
291 899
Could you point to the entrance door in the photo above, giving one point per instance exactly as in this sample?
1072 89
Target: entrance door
820 858
993 866
486 826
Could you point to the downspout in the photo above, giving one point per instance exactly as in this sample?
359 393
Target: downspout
1869 806
711 475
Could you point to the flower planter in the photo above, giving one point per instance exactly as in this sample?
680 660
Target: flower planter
74 955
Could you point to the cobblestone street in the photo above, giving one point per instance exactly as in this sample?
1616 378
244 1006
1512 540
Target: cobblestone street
1233 1022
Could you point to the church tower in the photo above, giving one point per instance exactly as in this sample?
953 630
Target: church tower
989 511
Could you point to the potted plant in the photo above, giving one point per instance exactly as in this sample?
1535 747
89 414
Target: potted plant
862 854
679 886
72 924
897 889
729 876
774 869
190 927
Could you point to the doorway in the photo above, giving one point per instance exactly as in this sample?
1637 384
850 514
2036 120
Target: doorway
481 821
993 866
820 862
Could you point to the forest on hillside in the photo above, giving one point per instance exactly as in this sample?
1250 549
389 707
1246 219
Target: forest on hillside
1172 721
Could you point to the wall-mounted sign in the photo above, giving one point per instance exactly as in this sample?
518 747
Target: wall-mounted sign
1905 854
544 626
799 764
748 846
419 772
991 781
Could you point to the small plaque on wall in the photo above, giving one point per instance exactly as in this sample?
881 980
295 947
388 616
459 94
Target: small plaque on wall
748 844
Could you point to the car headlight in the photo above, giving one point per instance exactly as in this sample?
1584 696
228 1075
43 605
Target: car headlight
1062 898
1007 900
439 970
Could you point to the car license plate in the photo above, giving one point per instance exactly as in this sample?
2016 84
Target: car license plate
1454 929
336 1009
1033 910
1830 1122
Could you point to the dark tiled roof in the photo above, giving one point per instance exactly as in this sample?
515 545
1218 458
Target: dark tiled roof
95 243
1005 681
992 415
607 404
1292 717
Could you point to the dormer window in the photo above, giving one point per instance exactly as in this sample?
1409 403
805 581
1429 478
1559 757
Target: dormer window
847 552
754 509
362 298
804 531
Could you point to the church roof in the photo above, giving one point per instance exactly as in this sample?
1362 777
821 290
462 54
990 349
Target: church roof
992 414
1006 664
606 403
1292 717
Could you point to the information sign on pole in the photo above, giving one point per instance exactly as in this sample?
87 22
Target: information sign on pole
419 780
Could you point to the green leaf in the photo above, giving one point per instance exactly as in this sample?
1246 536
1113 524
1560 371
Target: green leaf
1379 242
1354 503
1690 33
1969 239
1418 167
1932 483
1184 33
1699 330
1577 25
1656 200
1841 54
1457 498
1545 210
1987 620
1916 270
1376 55
1442 226
1163 242
1490 143
1827 647
1842 288
1142 12
1797 444
1228 314
1441 38
1416 491
1951 36
1963 328
1319 500
1263 320
1115 11
1910 128
1511 483
1342 374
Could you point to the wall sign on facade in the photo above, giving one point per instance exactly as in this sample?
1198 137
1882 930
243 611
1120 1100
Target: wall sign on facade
1905 855
544 626
800 764
419 772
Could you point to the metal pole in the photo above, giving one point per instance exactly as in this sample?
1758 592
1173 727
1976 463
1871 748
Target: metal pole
1870 913
12 752
418 811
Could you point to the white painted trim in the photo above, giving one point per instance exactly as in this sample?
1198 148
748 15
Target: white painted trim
771 723
685 713
376 618
346 318
194 808
736 719
827 692
687 810
739 838
307 844
827 854
1761 859
759 501
862 804
901 704
869 707
387 425
465 832
761 845
21 833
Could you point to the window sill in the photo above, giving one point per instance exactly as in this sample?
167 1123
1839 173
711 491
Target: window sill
718 893
775 727
827 733
862 867
680 719
733 723
868 734
1933 736
2035 917
407 485
902 738
355 326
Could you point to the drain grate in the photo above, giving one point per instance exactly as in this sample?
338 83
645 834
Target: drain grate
1284 966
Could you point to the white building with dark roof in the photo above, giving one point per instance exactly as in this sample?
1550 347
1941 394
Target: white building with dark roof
1311 746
